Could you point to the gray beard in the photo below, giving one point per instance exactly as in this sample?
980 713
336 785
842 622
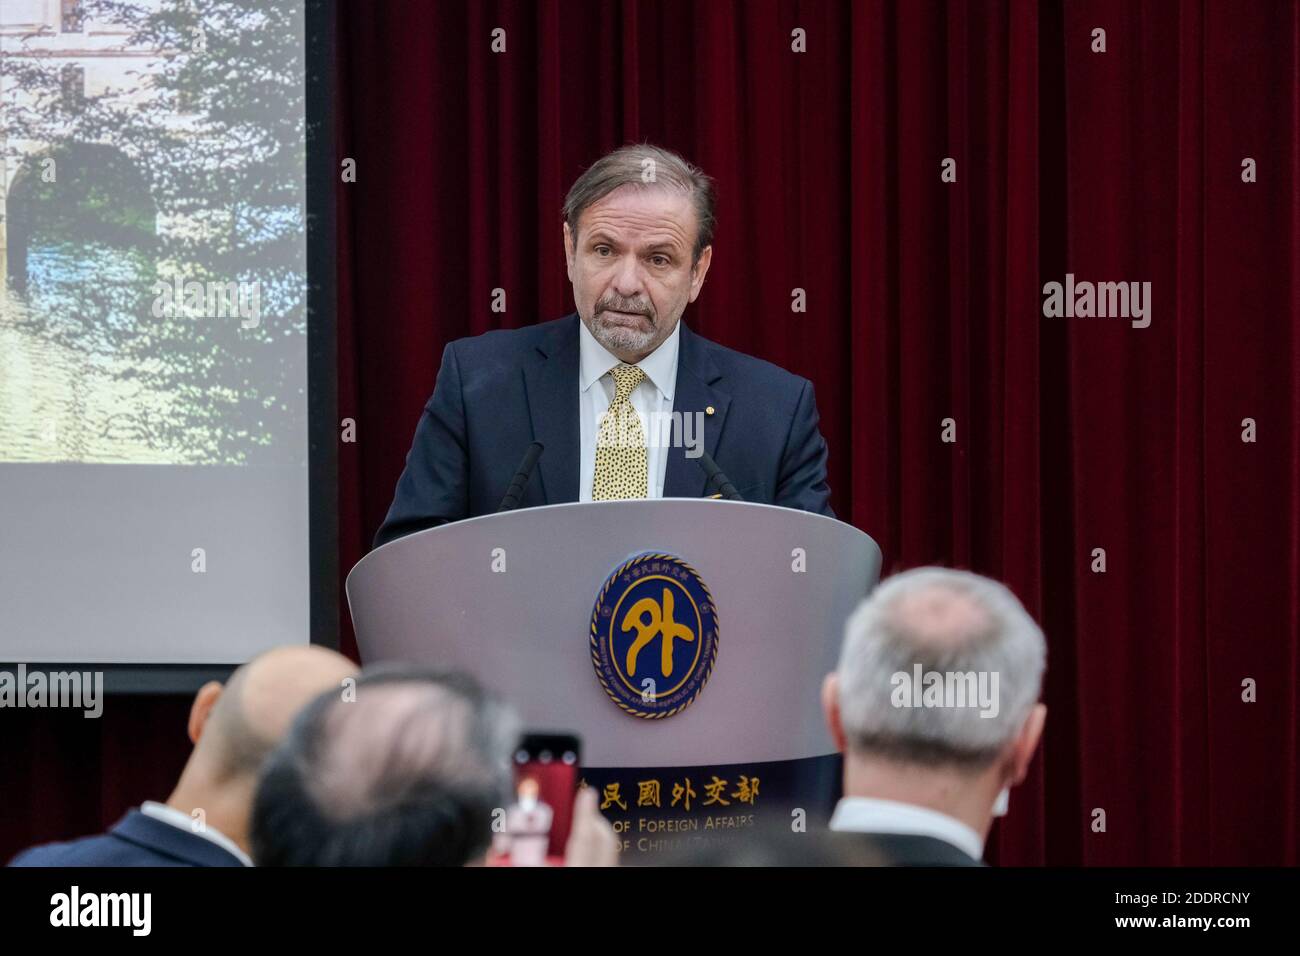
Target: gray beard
617 338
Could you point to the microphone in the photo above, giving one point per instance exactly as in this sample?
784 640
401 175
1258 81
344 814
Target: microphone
516 489
716 476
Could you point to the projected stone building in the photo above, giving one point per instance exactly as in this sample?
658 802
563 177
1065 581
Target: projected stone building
159 148
92 59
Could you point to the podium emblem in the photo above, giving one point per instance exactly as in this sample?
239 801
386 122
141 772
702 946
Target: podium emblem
654 635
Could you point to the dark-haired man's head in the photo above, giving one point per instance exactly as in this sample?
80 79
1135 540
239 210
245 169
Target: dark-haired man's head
407 772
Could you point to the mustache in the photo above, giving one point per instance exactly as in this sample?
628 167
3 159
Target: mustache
618 305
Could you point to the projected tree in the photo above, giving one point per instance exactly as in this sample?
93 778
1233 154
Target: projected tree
184 177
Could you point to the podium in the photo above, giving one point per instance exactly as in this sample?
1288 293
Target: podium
512 598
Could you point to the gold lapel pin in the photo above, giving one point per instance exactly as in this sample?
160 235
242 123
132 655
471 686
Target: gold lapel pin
709 410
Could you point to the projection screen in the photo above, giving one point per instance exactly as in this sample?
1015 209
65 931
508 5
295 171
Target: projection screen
154 443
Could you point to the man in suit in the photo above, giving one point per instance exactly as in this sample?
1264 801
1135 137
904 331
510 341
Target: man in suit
619 392
205 820
934 705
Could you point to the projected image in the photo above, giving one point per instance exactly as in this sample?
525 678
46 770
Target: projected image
152 231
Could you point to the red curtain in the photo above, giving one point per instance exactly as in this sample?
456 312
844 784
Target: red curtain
1202 589
924 303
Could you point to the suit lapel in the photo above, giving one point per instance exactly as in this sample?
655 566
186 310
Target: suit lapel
552 387
696 392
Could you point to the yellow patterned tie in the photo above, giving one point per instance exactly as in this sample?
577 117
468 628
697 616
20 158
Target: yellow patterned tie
621 459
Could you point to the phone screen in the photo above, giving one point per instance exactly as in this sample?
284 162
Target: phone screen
547 771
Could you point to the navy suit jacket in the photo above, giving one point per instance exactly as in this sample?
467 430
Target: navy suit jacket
498 392
911 849
135 840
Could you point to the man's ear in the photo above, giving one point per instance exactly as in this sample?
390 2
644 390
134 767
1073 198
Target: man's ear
699 270
570 251
200 710
831 710
1026 743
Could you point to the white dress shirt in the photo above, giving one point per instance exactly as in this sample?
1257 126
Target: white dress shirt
182 821
652 399
869 815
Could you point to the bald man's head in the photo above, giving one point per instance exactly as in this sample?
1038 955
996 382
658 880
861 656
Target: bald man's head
247 717
953 630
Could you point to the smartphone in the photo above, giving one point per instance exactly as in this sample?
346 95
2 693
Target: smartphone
547 771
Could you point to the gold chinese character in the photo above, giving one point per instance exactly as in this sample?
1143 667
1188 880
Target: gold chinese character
746 789
660 623
612 796
679 791
648 793
714 792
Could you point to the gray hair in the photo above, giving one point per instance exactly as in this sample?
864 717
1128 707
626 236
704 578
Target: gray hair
407 731
644 165
409 773
883 640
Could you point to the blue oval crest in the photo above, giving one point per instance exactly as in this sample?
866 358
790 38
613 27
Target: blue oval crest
654 635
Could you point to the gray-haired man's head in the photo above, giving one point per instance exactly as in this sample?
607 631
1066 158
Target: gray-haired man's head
940 668
407 773
638 241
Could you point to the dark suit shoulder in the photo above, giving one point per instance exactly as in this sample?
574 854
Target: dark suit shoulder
747 368
911 849
135 840
509 345
103 849
65 853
